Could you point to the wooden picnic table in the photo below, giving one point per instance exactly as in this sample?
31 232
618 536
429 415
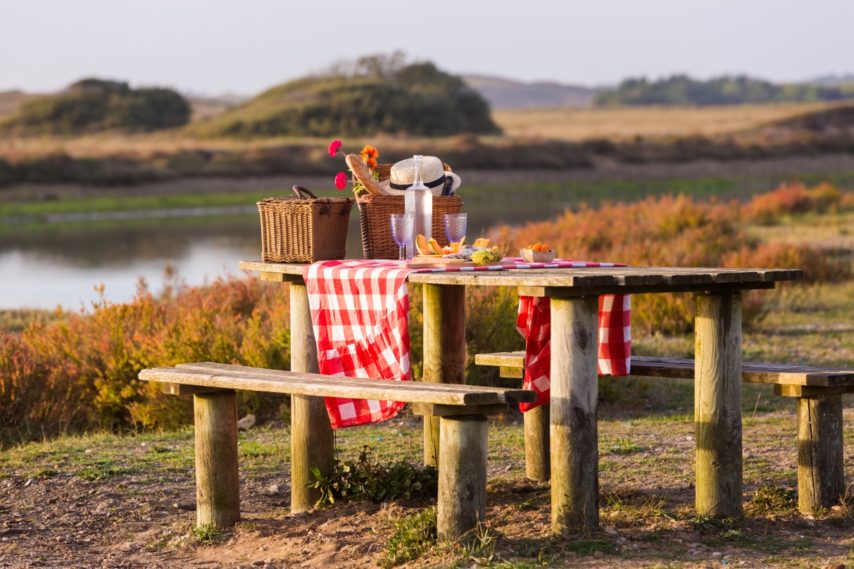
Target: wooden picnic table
573 295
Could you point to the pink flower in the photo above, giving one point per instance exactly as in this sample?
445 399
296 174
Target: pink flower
341 180
334 147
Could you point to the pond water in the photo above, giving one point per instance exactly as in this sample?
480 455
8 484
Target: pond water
62 263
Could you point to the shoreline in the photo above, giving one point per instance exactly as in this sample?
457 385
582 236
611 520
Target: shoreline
209 196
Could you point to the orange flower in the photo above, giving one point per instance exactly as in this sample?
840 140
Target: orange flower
372 163
369 152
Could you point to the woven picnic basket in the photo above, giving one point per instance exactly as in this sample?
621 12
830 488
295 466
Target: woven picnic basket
374 212
303 228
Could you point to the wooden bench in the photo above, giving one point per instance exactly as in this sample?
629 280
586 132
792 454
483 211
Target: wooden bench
461 409
821 476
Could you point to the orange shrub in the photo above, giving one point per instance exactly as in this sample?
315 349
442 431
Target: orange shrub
679 231
80 371
792 199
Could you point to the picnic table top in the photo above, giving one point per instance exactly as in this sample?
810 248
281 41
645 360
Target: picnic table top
578 281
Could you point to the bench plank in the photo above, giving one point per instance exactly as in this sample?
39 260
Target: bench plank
274 381
776 374
238 370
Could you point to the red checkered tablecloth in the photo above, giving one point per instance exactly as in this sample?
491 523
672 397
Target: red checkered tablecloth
360 310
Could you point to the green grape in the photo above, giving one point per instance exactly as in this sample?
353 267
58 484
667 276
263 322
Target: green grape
485 256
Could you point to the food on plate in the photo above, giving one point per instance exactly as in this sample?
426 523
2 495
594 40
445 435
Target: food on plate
485 256
480 253
541 247
432 247
422 245
538 253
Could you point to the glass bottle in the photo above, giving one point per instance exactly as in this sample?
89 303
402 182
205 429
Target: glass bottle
418 201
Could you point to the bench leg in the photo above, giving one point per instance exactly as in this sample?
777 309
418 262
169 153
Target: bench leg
537 443
462 475
312 439
574 436
217 482
717 405
444 349
821 475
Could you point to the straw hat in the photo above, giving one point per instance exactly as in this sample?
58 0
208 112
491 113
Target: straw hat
435 177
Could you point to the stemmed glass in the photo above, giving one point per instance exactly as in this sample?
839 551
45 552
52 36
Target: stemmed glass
455 226
401 231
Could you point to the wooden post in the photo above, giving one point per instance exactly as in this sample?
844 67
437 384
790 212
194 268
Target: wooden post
217 481
574 437
537 443
821 474
462 475
312 439
717 405
444 349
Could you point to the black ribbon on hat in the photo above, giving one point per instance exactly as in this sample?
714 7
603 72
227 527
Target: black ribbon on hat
435 183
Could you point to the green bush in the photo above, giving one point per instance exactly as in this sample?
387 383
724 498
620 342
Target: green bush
367 479
95 105
416 99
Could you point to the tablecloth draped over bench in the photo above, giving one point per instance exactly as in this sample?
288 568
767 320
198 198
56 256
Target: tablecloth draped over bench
360 311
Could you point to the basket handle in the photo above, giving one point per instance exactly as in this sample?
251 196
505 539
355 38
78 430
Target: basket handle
300 190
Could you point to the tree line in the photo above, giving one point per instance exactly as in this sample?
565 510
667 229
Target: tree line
724 90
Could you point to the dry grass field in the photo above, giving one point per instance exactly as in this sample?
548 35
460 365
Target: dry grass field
559 124
627 122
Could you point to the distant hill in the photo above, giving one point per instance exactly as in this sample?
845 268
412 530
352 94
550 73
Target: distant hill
11 101
98 105
204 106
377 95
509 94
724 90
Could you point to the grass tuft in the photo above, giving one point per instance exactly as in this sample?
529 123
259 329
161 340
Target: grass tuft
770 500
208 533
588 547
412 537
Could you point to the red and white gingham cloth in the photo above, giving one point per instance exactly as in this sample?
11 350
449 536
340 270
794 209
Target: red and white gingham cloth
360 310
614 349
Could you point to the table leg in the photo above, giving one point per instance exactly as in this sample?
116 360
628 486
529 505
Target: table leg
574 438
444 349
717 405
312 441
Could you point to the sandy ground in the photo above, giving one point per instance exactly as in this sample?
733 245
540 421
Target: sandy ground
51 516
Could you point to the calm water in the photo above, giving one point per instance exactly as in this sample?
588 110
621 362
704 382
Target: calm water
61 263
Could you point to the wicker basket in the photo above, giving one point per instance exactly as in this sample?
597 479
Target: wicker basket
303 229
374 214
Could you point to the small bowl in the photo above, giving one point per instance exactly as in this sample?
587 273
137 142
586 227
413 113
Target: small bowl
537 256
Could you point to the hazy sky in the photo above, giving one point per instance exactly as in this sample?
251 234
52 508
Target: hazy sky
243 46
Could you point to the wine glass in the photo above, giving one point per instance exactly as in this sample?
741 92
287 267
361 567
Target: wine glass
455 226
401 231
